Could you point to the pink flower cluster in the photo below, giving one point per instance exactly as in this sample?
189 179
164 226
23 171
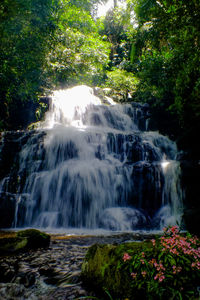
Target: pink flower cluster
144 273
177 244
171 230
171 243
126 257
159 268
196 265
176 269
142 261
159 276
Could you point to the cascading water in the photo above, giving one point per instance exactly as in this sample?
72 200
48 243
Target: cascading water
89 166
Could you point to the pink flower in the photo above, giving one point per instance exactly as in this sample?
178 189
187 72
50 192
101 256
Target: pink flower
134 275
152 261
179 269
144 273
161 278
193 265
126 257
174 229
153 242
142 261
176 269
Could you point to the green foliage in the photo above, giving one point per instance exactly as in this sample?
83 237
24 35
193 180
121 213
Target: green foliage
40 111
165 57
167 267
122 82
171 268
26 29
45 43
57 43
80 54
118 29
78 58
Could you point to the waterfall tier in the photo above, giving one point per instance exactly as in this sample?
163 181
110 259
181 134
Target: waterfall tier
93 165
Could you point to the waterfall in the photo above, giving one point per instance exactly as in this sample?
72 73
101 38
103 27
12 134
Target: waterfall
93 165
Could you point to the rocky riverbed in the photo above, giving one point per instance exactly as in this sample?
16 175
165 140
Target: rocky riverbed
52 273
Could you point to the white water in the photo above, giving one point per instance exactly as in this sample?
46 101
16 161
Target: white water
88 171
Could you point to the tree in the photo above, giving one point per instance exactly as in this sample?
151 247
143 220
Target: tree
26 30
80 55
165 56
117 28
43 44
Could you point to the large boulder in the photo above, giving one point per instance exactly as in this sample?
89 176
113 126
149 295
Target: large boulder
24 240
35 238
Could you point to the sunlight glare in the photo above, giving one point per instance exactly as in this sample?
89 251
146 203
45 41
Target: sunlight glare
165 164
103 8
68 105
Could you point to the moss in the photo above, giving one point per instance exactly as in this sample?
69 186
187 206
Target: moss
12 245
34 125
102 271
36 238
24 240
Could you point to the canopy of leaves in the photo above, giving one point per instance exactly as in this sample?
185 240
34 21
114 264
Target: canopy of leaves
47 43
122 82
80 54
165 56
44 43
26 29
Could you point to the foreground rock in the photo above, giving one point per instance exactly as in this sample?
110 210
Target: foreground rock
24 240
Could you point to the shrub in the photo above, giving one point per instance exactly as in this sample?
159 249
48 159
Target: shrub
167 267
169 270
122 82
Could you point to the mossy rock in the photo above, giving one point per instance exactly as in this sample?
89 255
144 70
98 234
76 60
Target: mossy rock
36 238
12 245
34 125
102 271
24 240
